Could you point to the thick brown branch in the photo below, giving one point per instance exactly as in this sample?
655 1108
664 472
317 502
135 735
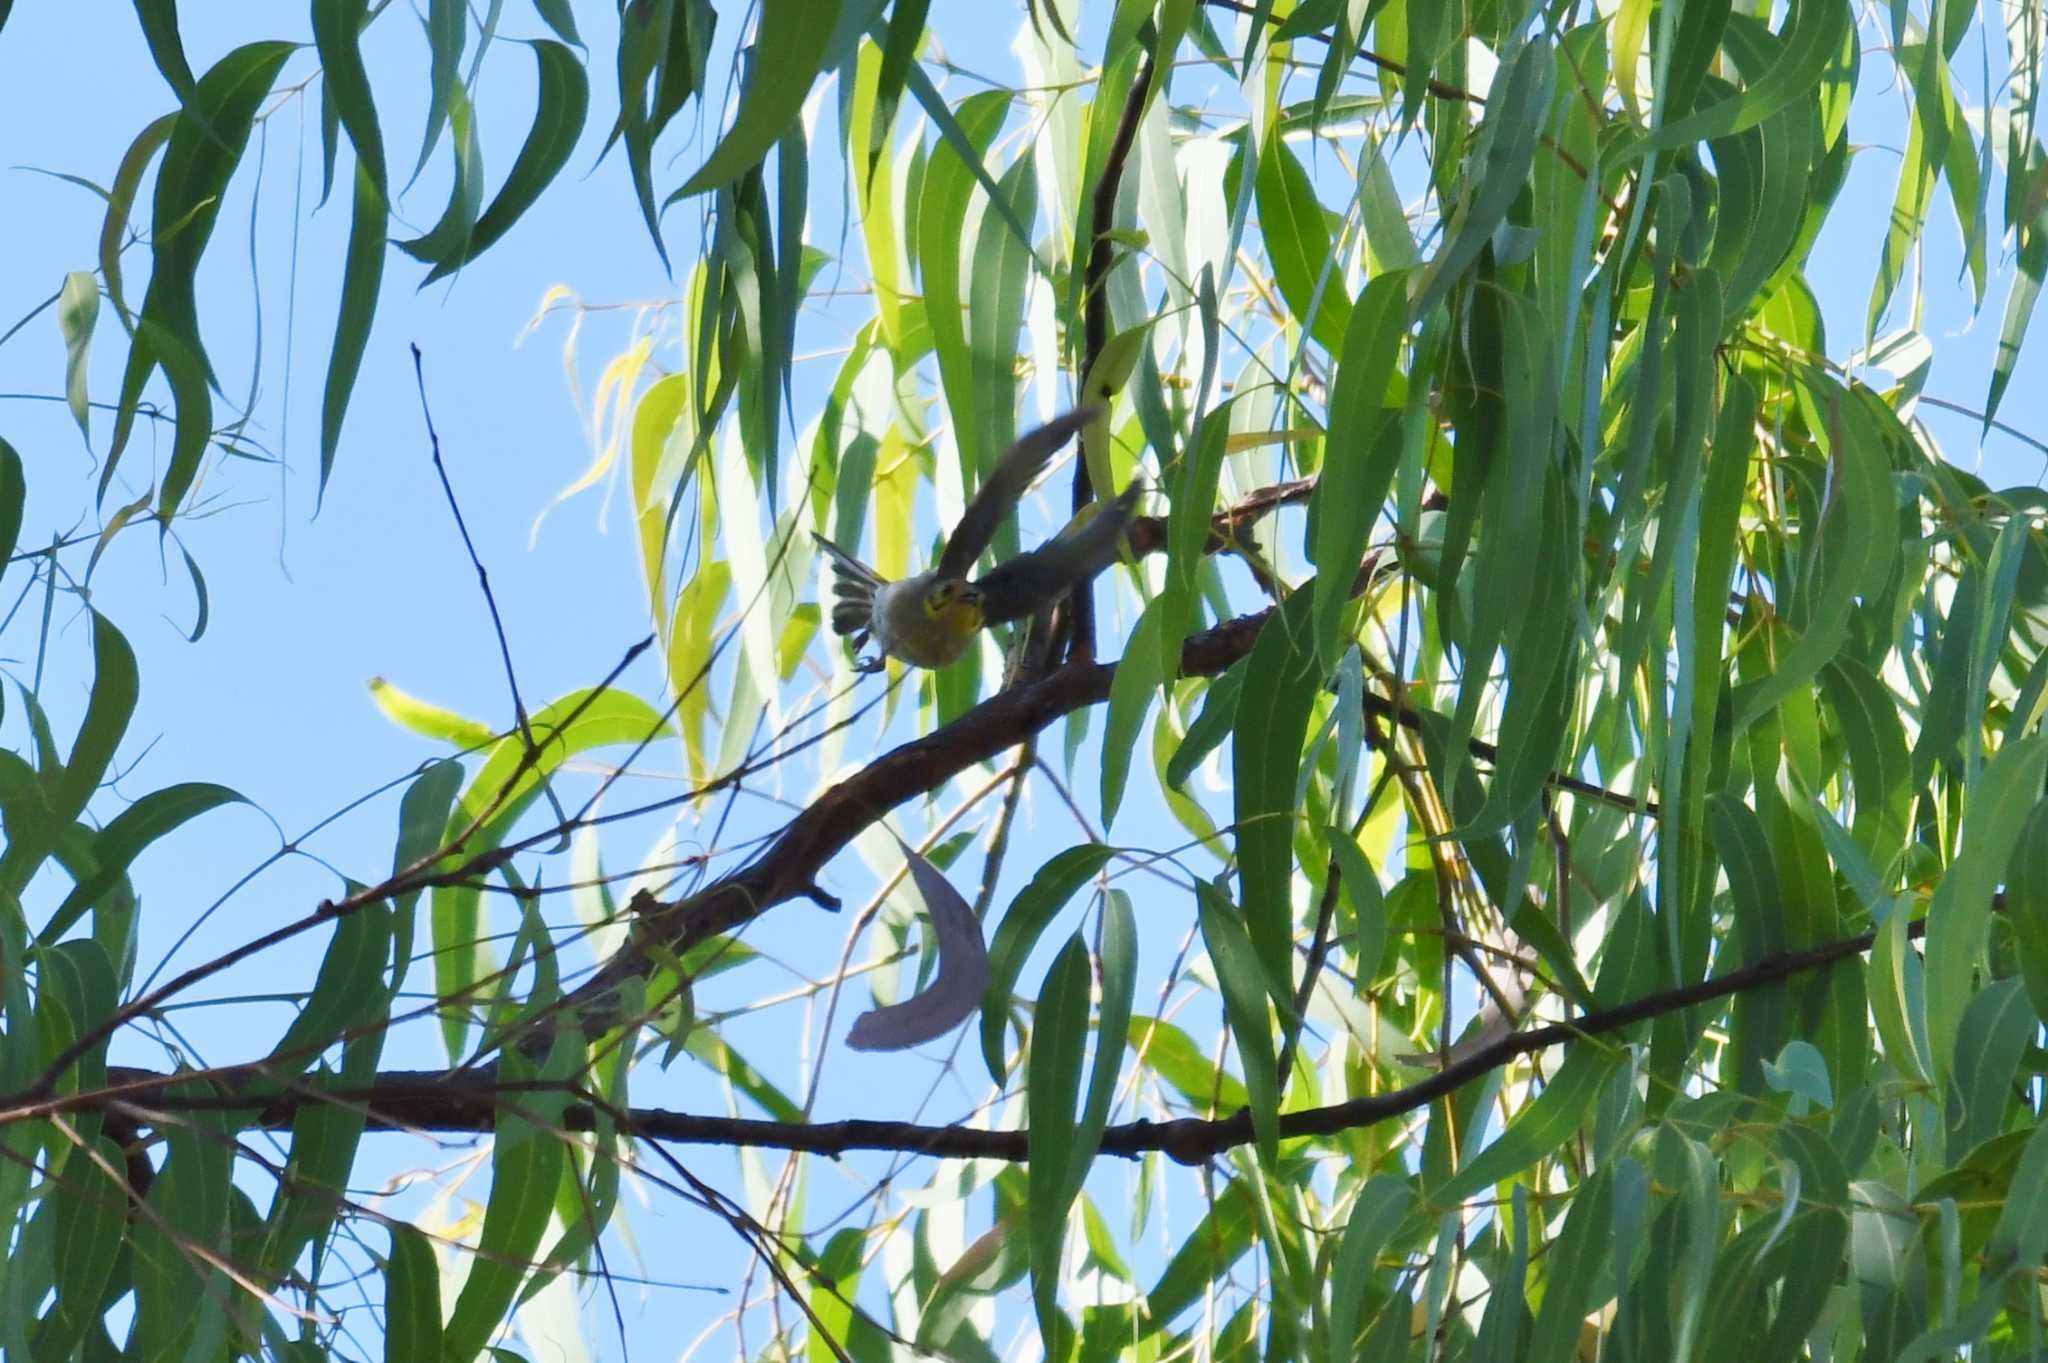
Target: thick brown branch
789 866
436 1100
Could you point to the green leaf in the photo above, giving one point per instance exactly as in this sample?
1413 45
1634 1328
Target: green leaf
91 1208
1376 1213
1214 724
447 29
1023 923
1879 766
1171 1053
1992 630
1996 1029
1801 1072
114 689
1112 1027
412 1297
504 786
949 183
205 146
1815 33
78 981
422 824
1188 523
1959 916
189 1201
348 992
1896 984
1539 1129
160 30
703 1045
834 1285
561 17
1266 762
899 53
1499 168
428 719
1576 1257
449 238
1861 544
953 134
13 498
198 592
1245 990
1888 1261
1051 1098
1131 691
2026 904
337 28
78 307
362 274
326 1136
1918 170
789 51
1298 244
121 199
561 104
527 1160
1360 887
2032 262
1364 447
2021 1235
115 847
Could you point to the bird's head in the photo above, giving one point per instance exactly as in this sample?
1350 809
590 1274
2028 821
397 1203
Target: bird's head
955 606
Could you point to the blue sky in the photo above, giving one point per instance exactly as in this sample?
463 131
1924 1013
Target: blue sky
306 608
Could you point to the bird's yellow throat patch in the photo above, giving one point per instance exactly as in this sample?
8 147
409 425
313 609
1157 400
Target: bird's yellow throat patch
958 616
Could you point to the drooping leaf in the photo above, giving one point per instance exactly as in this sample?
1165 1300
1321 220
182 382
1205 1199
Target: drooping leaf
1052 1099
1023 923
561 102
789 50
1266 759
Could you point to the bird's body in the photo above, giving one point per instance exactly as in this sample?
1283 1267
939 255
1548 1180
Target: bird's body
907 623
929 619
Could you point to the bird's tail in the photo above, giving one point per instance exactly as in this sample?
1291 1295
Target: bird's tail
1019 586
853 589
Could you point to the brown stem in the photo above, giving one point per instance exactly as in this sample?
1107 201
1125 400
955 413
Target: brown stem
433 1100
1095 322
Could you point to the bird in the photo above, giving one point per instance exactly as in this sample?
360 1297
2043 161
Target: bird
929 619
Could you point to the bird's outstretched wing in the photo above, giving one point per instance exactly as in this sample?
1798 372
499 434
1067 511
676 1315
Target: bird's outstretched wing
1004 486
1018 587
854 585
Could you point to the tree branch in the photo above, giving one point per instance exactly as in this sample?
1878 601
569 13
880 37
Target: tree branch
436 1100
1095 322
788 867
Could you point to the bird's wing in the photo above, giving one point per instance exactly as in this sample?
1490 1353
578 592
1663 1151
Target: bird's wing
1003 488
1018 587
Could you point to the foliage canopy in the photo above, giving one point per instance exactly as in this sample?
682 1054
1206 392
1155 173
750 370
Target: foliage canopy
1538 852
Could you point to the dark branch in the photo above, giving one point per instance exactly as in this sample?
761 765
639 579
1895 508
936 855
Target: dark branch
789 866
435 1100
1095 322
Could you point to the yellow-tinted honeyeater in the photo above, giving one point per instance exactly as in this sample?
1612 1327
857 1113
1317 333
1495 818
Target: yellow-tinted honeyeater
930 619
